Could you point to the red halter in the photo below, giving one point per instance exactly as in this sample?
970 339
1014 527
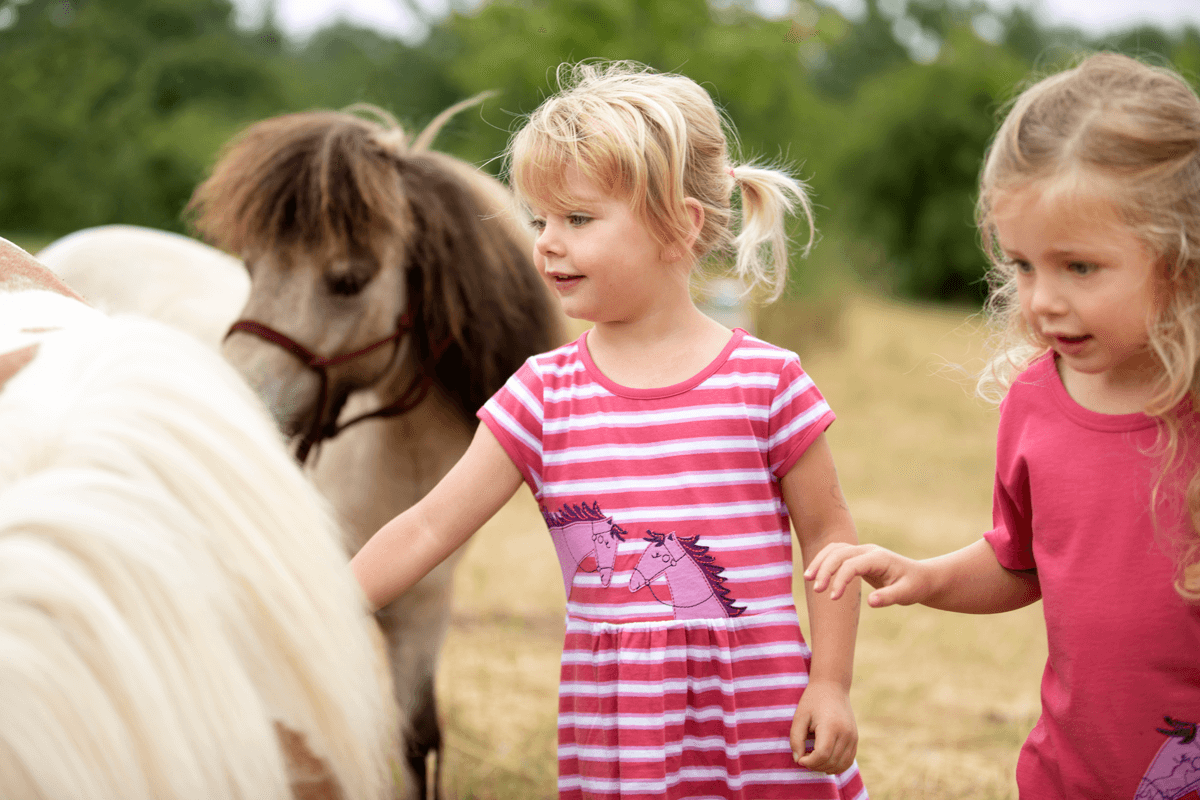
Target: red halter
409 399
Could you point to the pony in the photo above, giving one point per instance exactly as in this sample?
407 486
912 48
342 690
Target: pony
697 587
391 292
176 622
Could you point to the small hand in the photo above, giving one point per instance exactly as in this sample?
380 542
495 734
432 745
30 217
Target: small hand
897 580
824 710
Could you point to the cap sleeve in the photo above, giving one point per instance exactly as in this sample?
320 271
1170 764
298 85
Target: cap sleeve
798 415
514 416
1012 530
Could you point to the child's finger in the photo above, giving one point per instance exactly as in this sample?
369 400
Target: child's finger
818 562
825 751
827 562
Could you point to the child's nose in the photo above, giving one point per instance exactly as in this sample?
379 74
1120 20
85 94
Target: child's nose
548 241
1047 297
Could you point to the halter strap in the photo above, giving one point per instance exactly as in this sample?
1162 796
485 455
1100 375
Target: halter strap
410 398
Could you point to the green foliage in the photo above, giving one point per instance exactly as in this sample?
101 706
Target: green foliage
114 109
913 164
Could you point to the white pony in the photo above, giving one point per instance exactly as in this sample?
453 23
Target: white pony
176 618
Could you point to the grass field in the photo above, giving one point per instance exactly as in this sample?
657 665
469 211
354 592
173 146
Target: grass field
943 701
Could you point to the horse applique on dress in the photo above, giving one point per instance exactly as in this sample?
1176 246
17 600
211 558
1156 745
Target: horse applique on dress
579 531
1175 772
694 578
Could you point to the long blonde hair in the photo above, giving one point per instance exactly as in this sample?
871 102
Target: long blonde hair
655 139
1136 129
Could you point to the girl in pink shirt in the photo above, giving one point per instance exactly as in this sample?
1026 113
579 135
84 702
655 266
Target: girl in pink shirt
1090 210
669 456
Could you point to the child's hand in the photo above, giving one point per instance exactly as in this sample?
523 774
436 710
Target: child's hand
897 580
824 710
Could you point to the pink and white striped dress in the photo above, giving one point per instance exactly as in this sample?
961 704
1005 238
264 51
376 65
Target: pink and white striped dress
683 661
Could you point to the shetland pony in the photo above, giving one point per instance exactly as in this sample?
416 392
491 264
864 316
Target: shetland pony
176 618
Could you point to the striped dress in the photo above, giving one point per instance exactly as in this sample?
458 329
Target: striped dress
683 661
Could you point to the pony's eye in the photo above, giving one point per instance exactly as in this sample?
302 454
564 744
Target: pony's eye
345 285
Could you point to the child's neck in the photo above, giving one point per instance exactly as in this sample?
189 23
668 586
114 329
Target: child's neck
657 352
1112 392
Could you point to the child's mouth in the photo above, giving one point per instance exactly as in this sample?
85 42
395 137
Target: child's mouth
1070 345
565 281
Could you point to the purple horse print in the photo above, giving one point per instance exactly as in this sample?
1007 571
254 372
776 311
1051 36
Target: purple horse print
697 587
579 531
1175 771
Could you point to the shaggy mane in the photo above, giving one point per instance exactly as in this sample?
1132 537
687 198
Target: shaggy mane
172 589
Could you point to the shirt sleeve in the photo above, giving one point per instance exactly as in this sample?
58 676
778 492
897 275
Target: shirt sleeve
798 415
1011 536
514 416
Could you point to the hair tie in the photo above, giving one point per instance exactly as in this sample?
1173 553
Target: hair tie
731 174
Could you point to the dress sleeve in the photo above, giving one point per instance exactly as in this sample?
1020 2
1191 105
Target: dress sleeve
1011 535
798 415
514 415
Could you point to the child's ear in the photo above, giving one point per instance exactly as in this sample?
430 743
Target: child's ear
695 224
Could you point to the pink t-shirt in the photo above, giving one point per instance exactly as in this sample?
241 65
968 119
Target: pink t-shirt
683 659
1121 688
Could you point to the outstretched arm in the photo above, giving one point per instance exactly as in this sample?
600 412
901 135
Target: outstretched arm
969 580
405 549
822 519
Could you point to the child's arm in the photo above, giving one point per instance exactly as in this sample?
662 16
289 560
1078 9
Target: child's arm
969 580
821 518
405 549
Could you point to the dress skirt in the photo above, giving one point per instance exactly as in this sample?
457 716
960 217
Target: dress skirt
687 709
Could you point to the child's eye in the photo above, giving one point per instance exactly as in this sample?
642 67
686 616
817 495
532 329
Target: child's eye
1019 266
1081 267
578 219
537 223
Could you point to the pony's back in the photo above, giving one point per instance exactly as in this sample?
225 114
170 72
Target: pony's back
172 590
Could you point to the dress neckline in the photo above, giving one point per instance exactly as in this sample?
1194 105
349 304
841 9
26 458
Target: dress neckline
657 391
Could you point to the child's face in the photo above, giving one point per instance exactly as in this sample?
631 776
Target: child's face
600 258
1087 284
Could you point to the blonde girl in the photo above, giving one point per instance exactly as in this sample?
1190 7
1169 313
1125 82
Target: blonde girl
668 455
1090 208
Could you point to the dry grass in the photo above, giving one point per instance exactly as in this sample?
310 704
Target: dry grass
943 701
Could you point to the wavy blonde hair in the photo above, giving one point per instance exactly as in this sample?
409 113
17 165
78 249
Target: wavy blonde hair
655 139
1134 129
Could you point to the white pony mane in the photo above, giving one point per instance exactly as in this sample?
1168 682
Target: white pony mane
171 586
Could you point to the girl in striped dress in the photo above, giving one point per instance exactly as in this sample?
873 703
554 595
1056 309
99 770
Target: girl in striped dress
668 455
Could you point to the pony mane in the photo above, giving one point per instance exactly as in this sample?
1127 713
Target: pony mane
338 182
708 566
173 591
582 512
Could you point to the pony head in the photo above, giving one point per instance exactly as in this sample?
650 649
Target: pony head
346 230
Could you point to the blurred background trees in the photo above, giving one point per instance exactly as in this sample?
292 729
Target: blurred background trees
114 110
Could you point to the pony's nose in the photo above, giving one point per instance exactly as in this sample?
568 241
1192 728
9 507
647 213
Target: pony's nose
636 581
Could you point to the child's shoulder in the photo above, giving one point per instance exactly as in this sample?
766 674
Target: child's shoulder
559 361
751 348
1032 383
